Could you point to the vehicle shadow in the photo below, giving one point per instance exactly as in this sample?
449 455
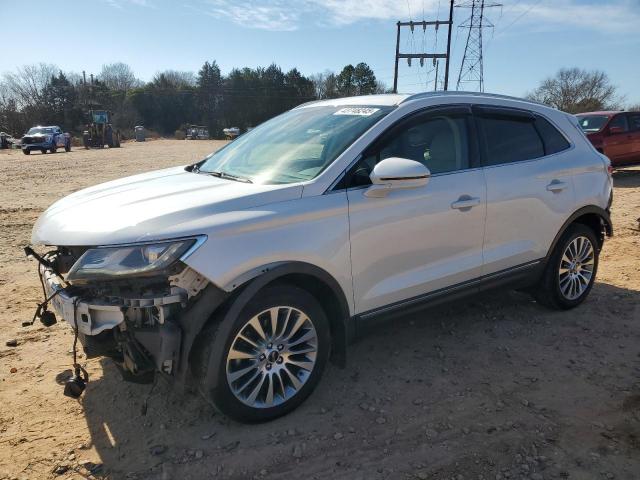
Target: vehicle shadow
627 177
404 374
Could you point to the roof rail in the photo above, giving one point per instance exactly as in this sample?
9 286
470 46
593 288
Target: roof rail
473 94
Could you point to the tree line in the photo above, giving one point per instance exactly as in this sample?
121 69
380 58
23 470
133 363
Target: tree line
245 97
43 94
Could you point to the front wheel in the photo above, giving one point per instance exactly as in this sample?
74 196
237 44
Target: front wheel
273 357
26 151
53 149
571 269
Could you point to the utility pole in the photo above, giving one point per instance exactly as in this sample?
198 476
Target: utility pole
422 56
472 66
446 68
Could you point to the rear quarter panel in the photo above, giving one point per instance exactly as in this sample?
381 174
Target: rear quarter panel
591 180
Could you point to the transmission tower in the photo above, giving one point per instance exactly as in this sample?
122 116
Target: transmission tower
472 68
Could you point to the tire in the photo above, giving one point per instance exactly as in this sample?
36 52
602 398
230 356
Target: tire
568 289
67 146
43 150
26 151
53 149
270 375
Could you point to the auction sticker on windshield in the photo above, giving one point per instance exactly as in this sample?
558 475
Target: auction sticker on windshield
360 111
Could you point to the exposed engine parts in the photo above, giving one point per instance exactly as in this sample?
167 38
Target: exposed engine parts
134 321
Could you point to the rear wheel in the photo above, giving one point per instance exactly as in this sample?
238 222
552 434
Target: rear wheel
54 148
571 270
273 358
26 151
67 146
43 150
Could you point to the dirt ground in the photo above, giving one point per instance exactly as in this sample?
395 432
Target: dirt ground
495 387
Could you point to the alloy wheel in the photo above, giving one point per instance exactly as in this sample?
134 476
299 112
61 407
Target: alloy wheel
272 357
576 268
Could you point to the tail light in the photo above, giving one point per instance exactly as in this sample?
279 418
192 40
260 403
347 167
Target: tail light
609 169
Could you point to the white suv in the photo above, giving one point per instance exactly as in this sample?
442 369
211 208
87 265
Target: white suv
245 271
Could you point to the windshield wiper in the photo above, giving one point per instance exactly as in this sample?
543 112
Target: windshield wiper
228 176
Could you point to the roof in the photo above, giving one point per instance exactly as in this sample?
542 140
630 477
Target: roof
392 99
603 112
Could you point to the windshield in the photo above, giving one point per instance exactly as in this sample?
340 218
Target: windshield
35 130
295 146
592 123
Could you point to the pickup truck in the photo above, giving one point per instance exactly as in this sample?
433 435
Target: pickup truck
45 139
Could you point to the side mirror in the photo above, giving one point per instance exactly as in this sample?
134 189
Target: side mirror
615 129
396 173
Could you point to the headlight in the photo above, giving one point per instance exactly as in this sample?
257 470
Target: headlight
108 263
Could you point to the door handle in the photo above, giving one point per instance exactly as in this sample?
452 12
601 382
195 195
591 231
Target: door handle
465 202
557 186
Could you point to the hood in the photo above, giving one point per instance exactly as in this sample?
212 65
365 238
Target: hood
157 205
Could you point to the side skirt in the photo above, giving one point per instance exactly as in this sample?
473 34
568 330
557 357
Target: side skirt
516 277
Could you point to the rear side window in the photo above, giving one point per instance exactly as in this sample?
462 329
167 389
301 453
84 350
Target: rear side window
620 121
634 121
509 139
553 140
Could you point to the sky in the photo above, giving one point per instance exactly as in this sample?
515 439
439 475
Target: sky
529 41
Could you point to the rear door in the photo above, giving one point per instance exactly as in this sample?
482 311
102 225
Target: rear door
634 132
617 144
529 190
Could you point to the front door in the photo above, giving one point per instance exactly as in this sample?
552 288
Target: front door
416 241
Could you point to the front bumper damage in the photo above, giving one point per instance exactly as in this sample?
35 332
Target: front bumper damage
145 325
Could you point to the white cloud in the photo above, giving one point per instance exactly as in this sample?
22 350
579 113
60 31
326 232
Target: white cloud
286 15
119 4
272 15
622 16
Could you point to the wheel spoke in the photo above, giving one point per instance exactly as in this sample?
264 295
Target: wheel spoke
269 398
233 376
246 383
305 337
293 378
307 349
296 326
256 390
273 315
239 355
250 342
257 326
305 364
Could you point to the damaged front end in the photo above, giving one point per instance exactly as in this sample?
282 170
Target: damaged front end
140 304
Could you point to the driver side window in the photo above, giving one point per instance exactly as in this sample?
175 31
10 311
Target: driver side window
439 140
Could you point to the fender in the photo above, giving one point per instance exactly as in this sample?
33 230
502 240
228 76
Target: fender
605 221
341 327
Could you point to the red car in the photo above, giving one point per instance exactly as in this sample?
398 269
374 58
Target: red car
616 134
